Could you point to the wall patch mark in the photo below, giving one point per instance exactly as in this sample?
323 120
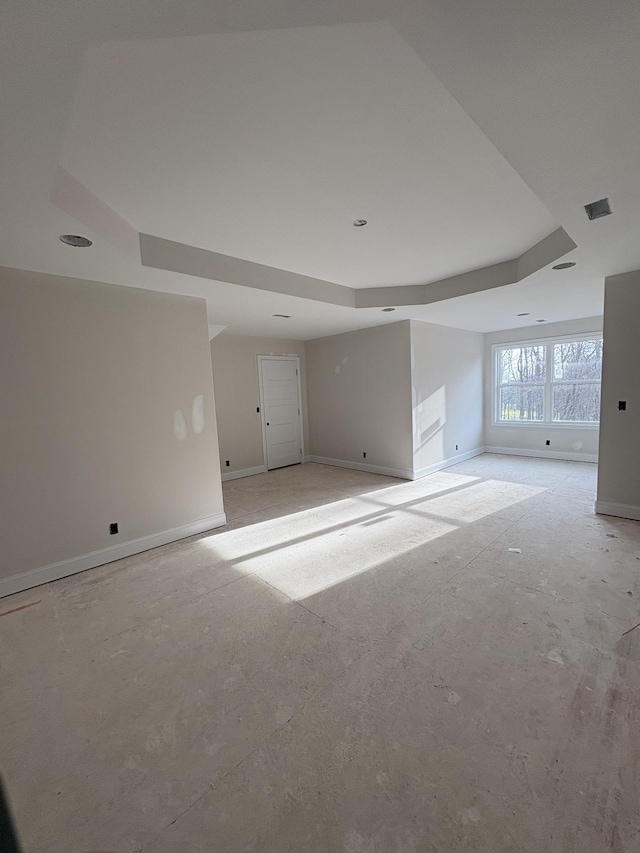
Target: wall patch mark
179 426
197 414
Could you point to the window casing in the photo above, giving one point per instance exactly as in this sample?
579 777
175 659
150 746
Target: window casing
548 382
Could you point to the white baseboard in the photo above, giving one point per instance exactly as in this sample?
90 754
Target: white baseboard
249 472
619 510
402 473
543 454
446 463
64 568
243 472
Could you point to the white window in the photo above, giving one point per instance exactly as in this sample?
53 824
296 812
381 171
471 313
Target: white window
548 382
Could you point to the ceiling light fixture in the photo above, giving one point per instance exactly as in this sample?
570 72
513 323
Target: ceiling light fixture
285 316
358 223
525 314
599 208
385 310
76 240
564 266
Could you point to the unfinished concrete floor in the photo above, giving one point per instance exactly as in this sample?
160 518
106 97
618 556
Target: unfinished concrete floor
354 664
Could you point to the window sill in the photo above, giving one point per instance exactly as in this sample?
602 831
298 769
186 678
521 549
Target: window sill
545 425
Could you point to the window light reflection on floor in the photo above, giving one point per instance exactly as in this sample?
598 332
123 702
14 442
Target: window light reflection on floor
305 552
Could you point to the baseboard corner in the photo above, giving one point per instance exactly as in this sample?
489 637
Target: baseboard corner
617 510
419 473
243 472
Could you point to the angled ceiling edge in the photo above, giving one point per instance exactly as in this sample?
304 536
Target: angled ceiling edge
176 257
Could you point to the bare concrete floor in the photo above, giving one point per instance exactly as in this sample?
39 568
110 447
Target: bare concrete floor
354 664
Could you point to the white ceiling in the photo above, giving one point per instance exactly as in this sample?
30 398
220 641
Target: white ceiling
464 133
266 146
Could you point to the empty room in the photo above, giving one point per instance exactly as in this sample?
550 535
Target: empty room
320 479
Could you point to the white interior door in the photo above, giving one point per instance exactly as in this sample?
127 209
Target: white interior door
280 407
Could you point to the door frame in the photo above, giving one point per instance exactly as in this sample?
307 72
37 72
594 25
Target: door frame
263 422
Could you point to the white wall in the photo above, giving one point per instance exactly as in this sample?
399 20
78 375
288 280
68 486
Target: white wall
92 377
447 394
359 397
566 442
619 462
234 360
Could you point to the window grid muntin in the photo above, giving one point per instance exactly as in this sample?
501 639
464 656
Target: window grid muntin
549 383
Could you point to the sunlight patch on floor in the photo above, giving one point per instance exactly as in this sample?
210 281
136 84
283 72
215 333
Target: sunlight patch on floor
305 552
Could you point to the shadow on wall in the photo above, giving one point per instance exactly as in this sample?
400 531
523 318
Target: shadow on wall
429 419
8 835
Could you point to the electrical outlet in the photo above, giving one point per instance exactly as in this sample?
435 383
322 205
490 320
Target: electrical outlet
547 442
364 455
227 463
113 528
622 405
456 446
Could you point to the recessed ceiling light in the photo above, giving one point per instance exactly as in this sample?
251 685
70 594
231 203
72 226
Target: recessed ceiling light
564 266
359 222
388 309
285 316
599 208
76 240
525 314
541 321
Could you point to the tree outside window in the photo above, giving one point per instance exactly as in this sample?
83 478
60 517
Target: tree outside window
550 382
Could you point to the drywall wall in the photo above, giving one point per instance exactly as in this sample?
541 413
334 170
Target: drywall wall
566 442
359 399
107 416
234 359
447 394
619 462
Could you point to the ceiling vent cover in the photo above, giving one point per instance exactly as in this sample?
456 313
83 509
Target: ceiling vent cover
598 208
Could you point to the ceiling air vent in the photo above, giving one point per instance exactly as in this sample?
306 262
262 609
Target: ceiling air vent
598 208
76 240
284 316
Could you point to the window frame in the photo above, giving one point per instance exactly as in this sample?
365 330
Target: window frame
548 383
